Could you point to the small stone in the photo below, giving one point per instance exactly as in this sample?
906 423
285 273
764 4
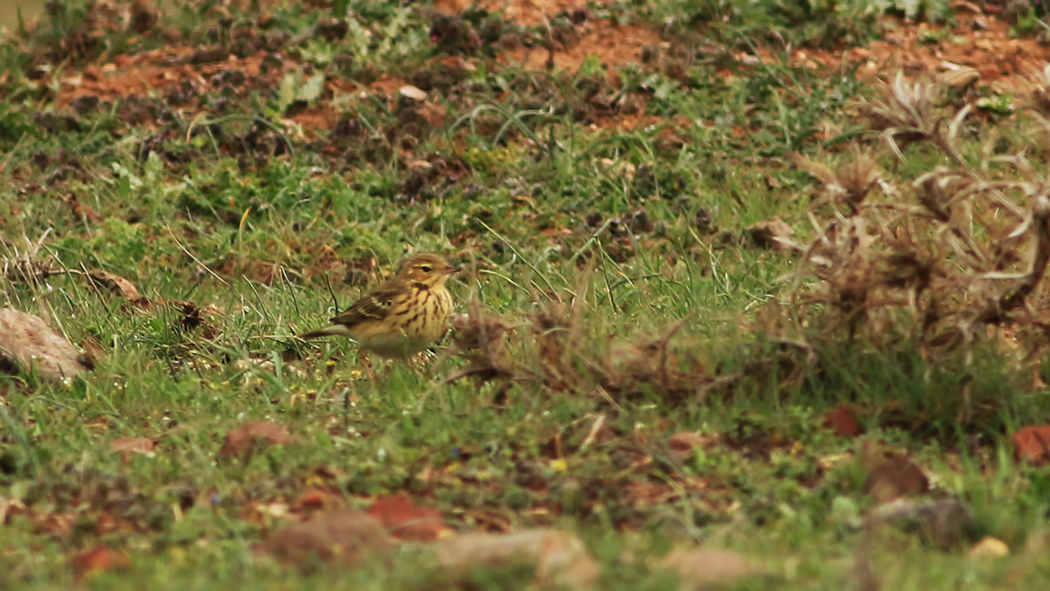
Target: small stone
702 568
342 537
412 92
989 547
946 523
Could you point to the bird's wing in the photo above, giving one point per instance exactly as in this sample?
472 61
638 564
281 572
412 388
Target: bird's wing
374 306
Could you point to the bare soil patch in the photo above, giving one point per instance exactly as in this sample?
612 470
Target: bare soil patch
979 40
524 12
614 44
151 72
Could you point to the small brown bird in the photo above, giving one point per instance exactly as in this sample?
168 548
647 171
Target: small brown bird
403 315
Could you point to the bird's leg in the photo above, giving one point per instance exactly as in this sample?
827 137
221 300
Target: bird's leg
367 364
418 363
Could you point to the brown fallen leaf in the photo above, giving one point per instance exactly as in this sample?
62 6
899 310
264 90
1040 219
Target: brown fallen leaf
560 557
894 478
115 283
843 421
314 499
889 477
684 444
685 441
129 445
27 342
251 436
1033 443
772 233
98 560
81 209
9 507
344 537
701 568
406 521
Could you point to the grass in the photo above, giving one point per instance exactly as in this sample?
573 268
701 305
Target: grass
243 223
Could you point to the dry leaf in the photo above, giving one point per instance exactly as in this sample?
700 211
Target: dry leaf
700 568
314 499
406 521
1033 443
686 441
843 421
894 478
683 444
26 341
251 436
129 445
772 233
97 560
115 283
192 317
8 507
343 537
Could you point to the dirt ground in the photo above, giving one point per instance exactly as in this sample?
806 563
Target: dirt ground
980 40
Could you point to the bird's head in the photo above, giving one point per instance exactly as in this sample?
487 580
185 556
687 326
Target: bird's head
426 268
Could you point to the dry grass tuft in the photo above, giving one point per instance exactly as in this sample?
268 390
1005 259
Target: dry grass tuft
558 351
906 112
480 338
936 260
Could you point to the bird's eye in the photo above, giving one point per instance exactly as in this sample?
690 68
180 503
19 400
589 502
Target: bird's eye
425 268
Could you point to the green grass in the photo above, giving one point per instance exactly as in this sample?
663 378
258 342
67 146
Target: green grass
267 231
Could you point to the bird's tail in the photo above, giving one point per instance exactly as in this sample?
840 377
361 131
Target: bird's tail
330 330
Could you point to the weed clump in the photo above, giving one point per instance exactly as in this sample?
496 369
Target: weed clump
556 350
945 262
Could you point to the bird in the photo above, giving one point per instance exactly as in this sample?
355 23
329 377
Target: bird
403 315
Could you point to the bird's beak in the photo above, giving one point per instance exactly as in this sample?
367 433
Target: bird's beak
453 269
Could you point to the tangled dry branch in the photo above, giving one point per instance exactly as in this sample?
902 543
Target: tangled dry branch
937 259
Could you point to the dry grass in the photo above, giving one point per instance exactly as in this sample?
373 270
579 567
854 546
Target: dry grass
558 350
935 260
